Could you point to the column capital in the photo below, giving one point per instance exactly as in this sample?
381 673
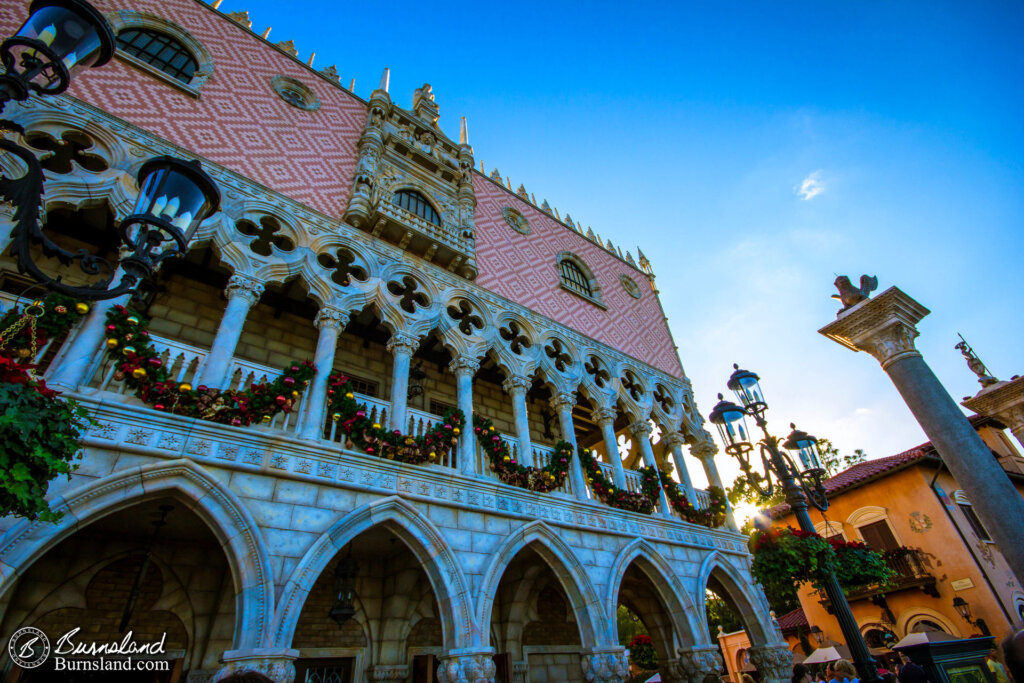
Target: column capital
698 663
245 287
672 439
403 342
884 327
516 384
704 450
467 667
774 663
464 365
563 399
604 414
331 317
277 664
641 429
611 666
1003 401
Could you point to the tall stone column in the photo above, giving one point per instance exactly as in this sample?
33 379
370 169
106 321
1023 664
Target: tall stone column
673 442
605 417
277 664
464 367
698 663
705 452
563 402
885 327
516 386
467 666
402 346
242 293
641 431
1003 401
74 366
607 666
330 321
775 664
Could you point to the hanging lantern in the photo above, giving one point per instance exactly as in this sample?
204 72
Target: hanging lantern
343 608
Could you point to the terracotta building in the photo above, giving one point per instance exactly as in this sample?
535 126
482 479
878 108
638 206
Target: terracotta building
909 506
359 235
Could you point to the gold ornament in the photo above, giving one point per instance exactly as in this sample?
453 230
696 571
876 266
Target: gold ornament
139 373
81 308
185 387
112 343
132 320
335 417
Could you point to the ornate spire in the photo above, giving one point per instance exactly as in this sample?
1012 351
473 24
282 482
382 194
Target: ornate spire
463 132
309 62
352 85
385 80
331 72
289 47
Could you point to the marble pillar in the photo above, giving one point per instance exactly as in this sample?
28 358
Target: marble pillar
242 293
330 321
673 442
516 386
464 367
641 431
563 403
705 451
605 418
402 346
77 360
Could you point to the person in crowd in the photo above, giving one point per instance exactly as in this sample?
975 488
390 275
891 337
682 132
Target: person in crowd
1013 655
801 674
995 666
910 672
844 672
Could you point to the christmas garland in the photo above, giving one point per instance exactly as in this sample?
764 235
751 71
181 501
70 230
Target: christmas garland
139 365
370 437
541 479
59 314
712 516
606 491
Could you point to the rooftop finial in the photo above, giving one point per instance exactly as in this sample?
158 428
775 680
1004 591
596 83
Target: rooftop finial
385 80
352 85
309 62
464 132
216 3
265 34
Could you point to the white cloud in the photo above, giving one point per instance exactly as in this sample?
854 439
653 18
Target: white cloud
811 186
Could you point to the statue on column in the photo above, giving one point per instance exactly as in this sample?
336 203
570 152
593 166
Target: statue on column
849 295
974 363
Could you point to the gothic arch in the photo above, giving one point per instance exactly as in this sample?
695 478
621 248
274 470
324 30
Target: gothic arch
753 609
424 540
676 599
229 520
563 562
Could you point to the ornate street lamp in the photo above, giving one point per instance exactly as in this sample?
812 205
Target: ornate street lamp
963 608
59 38
344 608
796 464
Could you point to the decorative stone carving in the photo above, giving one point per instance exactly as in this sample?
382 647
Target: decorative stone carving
641 429
389 672
403 342
698 663
704 450
464 365
563 400
630 285
604 414
773 663
295 92
516 220
884 327
849 295
975 364
276 664
1004 401
471 668
517 384
240 286
605 667
329 316
672 439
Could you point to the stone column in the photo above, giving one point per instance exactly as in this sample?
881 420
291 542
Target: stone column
705 452
775 664
516 386
673 442
277 664
330 321
641 431
607 666
1003 401
699 662
464 367
562 402
605 417
467 666
885 327
402 346
74 367
242 293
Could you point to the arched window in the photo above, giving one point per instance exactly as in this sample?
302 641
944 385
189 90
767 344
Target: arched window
159 50
414 202
572 277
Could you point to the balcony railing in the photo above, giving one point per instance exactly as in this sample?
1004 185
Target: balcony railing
912 570
184 363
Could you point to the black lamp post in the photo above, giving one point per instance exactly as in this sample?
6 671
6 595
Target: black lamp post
963 608
799 473
59 38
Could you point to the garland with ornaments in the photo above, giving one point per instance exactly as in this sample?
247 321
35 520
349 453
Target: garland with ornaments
542 479
712 516
139 365
606 491
59 313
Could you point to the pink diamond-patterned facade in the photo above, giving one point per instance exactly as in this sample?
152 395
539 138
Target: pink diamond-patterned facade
240 123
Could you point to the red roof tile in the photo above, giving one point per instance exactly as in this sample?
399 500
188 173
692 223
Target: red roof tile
792 620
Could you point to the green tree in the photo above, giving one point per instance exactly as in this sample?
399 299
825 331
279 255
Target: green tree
630 625
719 613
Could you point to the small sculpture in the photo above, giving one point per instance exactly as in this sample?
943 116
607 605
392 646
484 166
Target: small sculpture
974 363
850 295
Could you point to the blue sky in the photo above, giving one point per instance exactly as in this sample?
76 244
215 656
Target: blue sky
753 151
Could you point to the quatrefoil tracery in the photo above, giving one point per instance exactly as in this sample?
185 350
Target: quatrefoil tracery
72 147
663 398
409 295
556 351
513 334
465 314
632 385
596 369
345 266
266 234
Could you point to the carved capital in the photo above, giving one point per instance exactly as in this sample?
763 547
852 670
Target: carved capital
389 672
704 450
403 342
330 317
773 663
276 664
470 668
516 384
884 327
464 365
605 667
240 286
563 399
641 429
672 439
1003 401
604 414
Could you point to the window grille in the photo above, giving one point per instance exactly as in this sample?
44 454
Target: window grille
365 387
414 202
439 407
159 50
573 278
